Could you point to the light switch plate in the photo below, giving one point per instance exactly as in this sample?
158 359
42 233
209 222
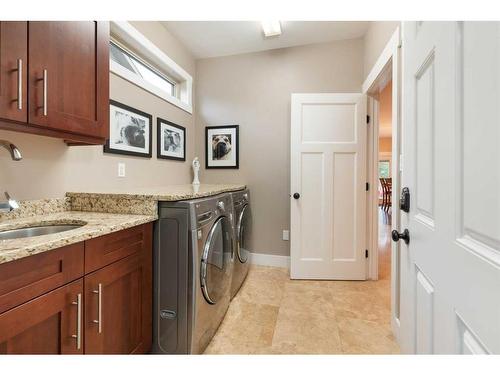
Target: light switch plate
121 169
286 235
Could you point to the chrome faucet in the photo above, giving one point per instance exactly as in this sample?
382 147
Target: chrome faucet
10 205
15 154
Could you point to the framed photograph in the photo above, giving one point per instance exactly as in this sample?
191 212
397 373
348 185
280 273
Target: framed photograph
222 146
171 140
130 131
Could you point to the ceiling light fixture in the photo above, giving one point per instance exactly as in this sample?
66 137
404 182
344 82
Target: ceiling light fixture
271 28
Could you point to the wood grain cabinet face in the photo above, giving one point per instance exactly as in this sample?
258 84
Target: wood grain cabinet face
32 276
69 76
13 71
115 302
44 325
118 300
113 299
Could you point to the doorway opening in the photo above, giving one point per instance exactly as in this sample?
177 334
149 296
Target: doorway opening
383 87
384 174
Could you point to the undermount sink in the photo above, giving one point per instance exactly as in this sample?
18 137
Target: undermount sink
38 230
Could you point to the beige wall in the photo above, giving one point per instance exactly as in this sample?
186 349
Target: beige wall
50 168
385 111
253 90
385 119
384 144
375 39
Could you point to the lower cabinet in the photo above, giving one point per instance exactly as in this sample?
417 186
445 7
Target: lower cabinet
108 311
49 324
118 309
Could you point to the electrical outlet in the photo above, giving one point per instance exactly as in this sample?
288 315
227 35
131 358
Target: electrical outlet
121 169
286 235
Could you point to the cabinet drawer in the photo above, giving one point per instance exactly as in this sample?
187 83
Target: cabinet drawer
30 277
105 250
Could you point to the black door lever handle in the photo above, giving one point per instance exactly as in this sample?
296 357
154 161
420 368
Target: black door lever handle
405 236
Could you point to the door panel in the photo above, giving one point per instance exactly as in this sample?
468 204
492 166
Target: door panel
13 54
452 167
344 206
424 314
424 117
114 300
328 170
74 61
44 325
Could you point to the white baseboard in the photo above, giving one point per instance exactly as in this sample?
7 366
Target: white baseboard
270 260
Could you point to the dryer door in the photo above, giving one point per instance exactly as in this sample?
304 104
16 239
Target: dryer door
215 261
243 230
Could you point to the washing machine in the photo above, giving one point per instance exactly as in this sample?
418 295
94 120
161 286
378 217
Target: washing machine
192 272
242 230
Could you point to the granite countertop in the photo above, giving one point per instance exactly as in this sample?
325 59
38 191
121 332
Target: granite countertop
103 212
97 224
163 193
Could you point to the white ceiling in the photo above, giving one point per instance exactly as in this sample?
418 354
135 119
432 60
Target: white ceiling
221 38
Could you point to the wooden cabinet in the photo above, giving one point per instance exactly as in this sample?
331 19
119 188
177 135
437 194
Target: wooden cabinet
107 311
65 72
114 318
45 325
13 71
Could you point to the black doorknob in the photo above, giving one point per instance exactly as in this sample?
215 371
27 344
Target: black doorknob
405 236
296 195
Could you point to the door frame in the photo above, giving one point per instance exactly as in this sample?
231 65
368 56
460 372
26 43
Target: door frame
387 68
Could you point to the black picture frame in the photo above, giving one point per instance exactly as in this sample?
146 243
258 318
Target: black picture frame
235 143
159 122
108 149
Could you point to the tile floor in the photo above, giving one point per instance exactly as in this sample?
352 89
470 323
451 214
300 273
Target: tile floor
275 315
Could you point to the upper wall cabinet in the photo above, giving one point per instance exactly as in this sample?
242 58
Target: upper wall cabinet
13 63
64 69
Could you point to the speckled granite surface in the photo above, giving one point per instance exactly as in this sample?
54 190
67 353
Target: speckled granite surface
119 205
37 207
163 193
97 224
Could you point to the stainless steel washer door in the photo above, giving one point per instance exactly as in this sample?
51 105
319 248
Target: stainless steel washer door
215 261
243 233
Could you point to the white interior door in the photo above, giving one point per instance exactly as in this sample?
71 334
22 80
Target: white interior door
450 301
328 171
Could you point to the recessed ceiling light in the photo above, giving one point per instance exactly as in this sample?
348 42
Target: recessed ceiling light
271 28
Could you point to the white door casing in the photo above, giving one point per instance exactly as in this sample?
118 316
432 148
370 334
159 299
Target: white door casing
450 271
328 170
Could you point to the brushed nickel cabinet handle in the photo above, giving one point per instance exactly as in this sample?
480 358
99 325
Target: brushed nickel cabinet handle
78 335
19 84
98 321
45 77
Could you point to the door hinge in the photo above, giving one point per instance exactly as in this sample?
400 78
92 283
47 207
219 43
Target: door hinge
367 186
367 119
366 253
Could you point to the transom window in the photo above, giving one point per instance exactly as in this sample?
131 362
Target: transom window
136 59
133 63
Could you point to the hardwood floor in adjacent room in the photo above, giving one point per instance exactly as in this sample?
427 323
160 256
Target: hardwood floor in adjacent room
275 315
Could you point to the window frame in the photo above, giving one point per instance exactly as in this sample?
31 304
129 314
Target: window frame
128 38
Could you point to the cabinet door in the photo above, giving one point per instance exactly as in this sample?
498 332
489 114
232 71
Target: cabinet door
69 76
49 324
13 70
118 308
